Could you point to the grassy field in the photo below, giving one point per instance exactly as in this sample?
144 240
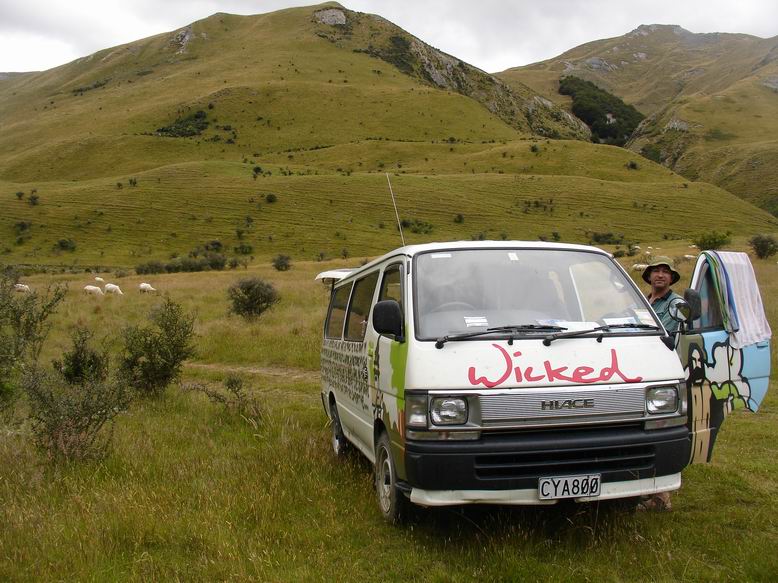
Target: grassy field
192 492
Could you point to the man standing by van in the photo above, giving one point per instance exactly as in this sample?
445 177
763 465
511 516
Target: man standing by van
660 275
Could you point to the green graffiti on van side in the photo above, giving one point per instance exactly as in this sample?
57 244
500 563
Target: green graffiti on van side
398 357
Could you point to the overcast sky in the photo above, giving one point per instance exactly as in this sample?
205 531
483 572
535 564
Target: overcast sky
491 34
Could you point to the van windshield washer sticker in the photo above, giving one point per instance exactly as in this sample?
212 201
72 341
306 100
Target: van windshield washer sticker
644 316
440 255
616 321
527 374
476 321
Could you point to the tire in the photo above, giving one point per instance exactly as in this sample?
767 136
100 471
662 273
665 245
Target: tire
340 444
391 501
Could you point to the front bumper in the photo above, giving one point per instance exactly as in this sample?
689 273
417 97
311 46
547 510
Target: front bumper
515 461
608 491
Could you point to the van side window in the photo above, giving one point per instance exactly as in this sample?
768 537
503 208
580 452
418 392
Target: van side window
359 309
337 315
710 316
391 286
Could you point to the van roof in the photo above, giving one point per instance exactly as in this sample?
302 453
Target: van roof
411 250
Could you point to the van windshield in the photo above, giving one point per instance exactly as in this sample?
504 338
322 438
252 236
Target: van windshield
464 291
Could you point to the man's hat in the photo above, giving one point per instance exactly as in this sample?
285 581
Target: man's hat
661 261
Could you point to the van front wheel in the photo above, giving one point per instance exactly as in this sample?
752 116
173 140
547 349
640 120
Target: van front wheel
391 500
339 442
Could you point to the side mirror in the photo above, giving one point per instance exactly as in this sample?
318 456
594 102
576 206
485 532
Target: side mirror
692 298
388 319
680 311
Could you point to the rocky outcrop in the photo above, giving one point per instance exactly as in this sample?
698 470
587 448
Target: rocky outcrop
418 59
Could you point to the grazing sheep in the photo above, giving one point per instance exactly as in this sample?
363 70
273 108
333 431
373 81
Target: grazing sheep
639 266
636 247
145 288
649 247
689 256
22 288
93 290
693 247
100 279
111 288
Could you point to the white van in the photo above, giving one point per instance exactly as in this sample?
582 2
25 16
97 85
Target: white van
524 373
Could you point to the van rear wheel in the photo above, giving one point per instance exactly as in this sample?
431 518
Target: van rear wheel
339 441
391 500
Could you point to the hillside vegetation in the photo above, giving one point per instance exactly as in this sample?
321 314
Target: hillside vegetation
272 133
711 100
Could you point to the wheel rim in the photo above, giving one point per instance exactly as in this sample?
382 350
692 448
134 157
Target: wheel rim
385 481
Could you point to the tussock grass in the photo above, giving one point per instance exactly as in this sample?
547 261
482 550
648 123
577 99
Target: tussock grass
194 493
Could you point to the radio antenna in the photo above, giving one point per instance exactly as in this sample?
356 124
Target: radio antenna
399 224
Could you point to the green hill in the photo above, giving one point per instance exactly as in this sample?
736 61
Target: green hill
711 100
152 148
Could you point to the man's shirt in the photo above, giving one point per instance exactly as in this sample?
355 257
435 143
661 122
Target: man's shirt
662 308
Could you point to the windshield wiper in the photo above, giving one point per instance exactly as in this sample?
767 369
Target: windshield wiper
517 328
601 329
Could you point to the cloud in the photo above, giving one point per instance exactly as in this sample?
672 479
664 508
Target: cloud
490 34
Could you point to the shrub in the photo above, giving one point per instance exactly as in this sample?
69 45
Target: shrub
234 398
632 165
33 199
23 327
152 355
65 245
67 419
251 297
712 240
150 267
764 245
19 195
459 218
82 363
191 125
282 262
607 238
271 198
244 249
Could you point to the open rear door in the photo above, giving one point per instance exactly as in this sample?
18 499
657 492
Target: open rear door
726 352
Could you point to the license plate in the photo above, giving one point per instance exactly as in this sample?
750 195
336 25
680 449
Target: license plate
569 487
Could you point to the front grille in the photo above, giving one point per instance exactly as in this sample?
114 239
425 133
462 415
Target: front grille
565 462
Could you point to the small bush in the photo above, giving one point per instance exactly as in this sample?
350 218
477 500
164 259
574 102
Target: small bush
459 218
607 238
234 398
82 363
251 297
712 240
152 355
244 249
23 328
65 245
271 198
282 262
764 246
67 419
33 199
19 195
150 268
632 165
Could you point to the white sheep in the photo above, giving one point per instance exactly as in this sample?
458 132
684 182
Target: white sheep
689 256
93 290
649 247
145 288
112 288
693 247
100 279
22 288
639 266
636 247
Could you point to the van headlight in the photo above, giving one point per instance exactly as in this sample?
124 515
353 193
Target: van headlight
661 400
448 411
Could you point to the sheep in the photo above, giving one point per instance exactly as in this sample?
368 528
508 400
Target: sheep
22 288
689 256
93 290
111 288
649 247
100 279
639 266
636 247
145 288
